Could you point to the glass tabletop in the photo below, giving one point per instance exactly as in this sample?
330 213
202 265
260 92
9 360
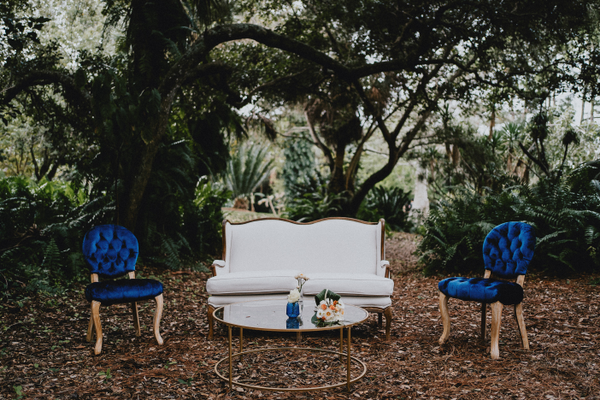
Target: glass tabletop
269 315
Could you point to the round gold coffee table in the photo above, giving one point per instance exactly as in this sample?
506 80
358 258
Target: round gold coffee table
269 315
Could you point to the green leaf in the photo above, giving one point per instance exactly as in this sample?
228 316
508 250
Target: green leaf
326 294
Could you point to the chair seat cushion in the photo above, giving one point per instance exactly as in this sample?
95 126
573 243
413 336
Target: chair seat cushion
346 284
252 282
123 291
482 290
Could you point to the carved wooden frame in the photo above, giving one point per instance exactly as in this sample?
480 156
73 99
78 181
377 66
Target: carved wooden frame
95 318
496 319
388 273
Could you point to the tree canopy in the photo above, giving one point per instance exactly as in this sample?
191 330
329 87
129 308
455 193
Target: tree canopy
358 69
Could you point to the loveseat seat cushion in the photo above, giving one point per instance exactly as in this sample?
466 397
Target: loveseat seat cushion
348 284
252 282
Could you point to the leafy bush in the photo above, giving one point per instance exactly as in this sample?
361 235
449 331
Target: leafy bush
314 206
246 170
565 215
299 169
197 237
41 228
392 204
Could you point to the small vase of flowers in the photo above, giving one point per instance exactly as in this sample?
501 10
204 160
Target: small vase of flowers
295 301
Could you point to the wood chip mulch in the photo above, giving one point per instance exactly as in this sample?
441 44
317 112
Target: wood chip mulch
44 354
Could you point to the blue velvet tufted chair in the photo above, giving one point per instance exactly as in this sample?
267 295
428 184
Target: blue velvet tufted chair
111 251
507 251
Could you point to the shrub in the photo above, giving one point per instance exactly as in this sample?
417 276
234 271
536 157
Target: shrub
565 215
315 205
392 204
41 229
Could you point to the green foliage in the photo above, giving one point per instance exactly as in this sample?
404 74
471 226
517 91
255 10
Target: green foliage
198 236
247 169
106 374
565 215
41 228
18 391
314 205
299 166
392 204
209 200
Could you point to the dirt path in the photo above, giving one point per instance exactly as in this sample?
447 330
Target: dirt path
44 355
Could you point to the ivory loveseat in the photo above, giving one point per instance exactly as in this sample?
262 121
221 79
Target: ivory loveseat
262 257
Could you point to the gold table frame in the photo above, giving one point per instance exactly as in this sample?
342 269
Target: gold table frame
281 304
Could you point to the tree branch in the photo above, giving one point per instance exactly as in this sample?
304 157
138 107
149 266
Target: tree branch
74 94
319 143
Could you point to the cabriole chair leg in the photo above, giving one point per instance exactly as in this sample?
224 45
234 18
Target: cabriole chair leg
136 319
90 327
496 318
157 317
445 318
96 318
483 318
521 324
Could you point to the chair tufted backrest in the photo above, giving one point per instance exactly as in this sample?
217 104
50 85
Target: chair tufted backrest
508 249
110 250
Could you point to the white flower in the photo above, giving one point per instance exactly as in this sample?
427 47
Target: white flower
294 296
301 276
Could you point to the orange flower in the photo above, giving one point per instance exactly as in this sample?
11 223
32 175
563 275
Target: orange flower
323 306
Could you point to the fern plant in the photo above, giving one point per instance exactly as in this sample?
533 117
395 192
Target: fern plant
565 215
392 204
246 170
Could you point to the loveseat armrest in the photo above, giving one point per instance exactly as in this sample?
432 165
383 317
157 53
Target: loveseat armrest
217 263
384 269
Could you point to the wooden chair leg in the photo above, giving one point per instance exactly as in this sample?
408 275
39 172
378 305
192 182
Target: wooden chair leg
483 320
89 331
157 317
445 318
521 324
136 319
96 319
209 315
496 317
388 322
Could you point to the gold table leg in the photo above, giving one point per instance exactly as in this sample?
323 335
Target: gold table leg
341 344
348 361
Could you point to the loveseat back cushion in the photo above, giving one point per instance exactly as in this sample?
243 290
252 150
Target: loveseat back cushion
331 245
252 282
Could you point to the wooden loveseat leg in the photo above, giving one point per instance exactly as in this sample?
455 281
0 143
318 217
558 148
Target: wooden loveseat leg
388 322
209 316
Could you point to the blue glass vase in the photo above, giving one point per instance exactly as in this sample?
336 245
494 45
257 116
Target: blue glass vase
293 309
292 323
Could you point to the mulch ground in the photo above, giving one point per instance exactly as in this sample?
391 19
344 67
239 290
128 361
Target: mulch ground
44 354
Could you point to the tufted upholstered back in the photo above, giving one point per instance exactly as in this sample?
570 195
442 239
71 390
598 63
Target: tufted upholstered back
508 249
110 250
